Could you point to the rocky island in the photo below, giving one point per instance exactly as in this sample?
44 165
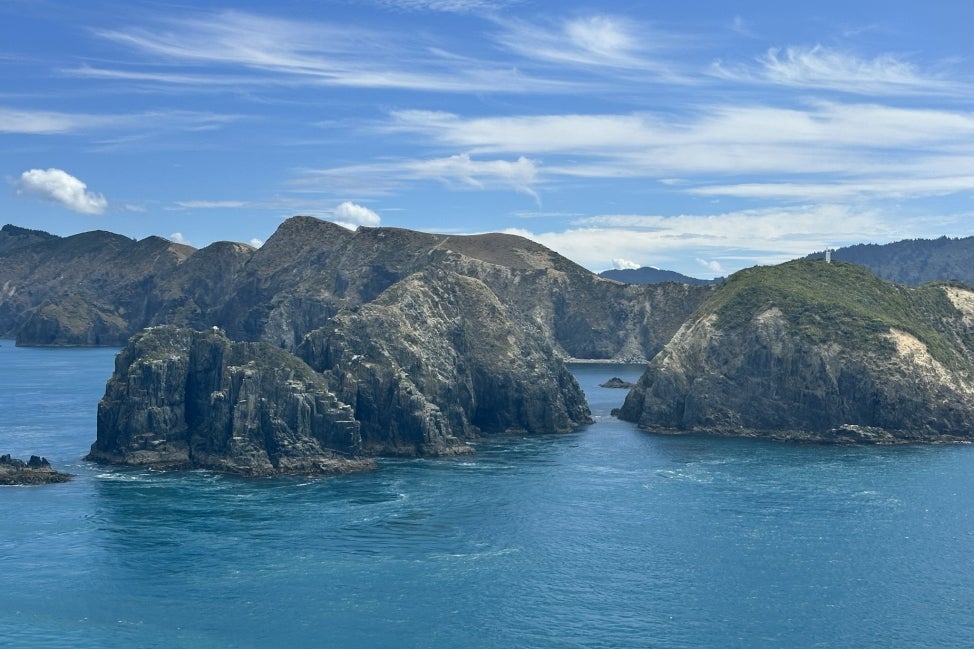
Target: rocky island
332 347
817 352
35 471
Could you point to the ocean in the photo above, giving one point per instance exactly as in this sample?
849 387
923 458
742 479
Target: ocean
605 537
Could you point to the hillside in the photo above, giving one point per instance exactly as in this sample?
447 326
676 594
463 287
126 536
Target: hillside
913 261
99 288
650 275
816 351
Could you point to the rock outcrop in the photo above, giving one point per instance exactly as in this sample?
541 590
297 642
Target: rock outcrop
35 471
184 399
819 352
435 361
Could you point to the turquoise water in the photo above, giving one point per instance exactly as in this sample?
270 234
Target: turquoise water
607 537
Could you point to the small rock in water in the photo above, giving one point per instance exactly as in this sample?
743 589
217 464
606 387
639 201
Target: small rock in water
37 470
616 382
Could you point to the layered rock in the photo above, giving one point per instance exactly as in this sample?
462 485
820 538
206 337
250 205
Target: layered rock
186 399
436 361
35 471
432 363
816 351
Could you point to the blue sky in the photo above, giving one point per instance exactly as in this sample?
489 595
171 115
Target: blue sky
702 137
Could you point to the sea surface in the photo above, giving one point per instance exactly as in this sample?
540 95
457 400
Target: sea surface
606 537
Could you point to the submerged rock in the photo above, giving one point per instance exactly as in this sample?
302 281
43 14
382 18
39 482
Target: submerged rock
37 470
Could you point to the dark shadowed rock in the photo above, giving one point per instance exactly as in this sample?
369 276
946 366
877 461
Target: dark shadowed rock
185 399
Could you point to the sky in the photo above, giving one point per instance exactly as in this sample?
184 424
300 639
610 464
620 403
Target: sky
696 136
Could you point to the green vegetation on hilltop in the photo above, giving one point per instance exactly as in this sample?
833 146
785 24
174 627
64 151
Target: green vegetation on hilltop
838 302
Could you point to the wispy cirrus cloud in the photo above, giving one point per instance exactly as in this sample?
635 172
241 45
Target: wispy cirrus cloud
597 41
825 150
820 67
211 205
459 171
314 53
45 122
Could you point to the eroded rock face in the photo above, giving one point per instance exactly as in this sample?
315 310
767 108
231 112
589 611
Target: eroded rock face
186 399
432 363
812 368
436 361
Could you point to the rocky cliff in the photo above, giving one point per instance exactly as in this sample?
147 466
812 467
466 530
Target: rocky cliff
816 351
435 361
185 399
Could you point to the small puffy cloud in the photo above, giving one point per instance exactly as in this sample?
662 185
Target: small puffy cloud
713 266
625 264
177 237
349 212
58 186
256 243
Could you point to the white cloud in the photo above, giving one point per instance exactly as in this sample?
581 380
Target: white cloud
40 122
595 41
480 174
727 241
713 267
58 186
625 264
209 205
825 150
279 50
256 243
349 212
177 237
459 172
826 68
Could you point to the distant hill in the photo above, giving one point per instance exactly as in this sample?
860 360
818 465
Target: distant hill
650 275
12 238
913 261
99 288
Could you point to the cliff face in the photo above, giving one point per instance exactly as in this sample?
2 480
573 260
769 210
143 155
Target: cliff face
437 360
185 399
820 352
